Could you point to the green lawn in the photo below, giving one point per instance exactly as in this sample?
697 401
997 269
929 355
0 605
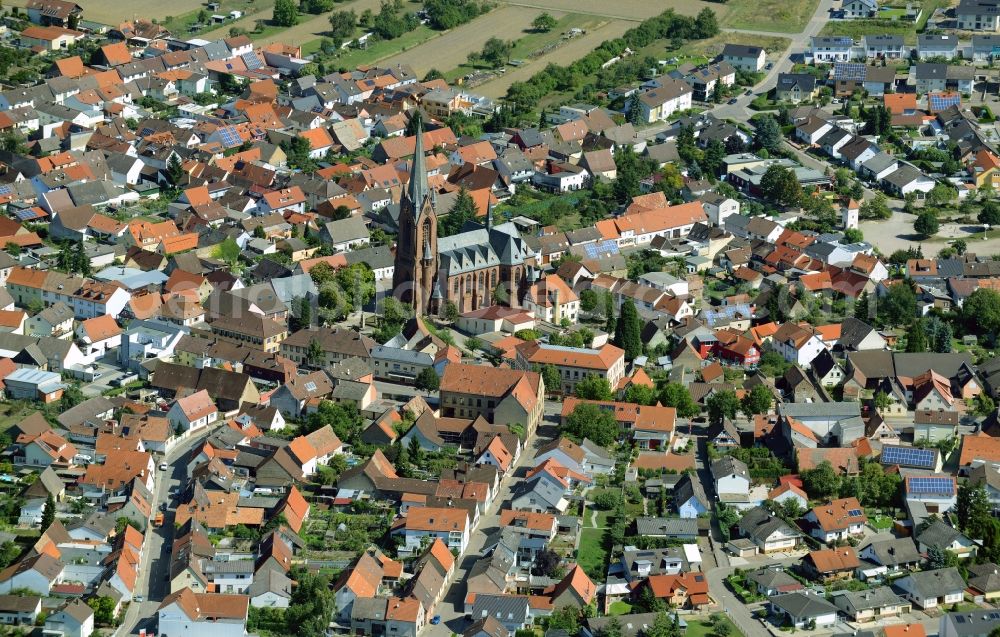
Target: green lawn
702 627
892 14
603 518
881 522
779 16
379 50
619 608
592 555
11 414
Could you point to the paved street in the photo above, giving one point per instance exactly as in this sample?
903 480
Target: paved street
452 606
151 582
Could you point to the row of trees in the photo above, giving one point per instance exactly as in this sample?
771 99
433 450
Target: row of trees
524 96
448 14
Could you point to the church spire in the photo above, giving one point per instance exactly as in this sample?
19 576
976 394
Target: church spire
418 173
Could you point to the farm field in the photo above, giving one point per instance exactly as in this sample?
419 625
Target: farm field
566 54
775 16
453 47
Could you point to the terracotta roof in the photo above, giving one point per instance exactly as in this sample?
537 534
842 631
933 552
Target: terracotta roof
527 519
837 515
483 380
101 327
441 553
832 560
577 581
905 630
601 359
197 405
435 519
403 609
12 318
208 607
979 447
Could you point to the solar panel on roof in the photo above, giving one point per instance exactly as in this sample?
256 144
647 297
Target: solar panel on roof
908 456
941 102
850 71
6 189
146 131
25 215
229 136
252 61
596 249
929 484
854 513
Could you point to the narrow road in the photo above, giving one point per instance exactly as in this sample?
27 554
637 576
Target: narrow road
155 560
737 611
452 606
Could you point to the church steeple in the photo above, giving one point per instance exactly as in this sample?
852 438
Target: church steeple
417 187
416 263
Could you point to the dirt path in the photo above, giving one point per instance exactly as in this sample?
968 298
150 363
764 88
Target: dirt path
452 48
566 54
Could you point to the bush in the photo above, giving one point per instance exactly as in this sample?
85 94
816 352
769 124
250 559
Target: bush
607 500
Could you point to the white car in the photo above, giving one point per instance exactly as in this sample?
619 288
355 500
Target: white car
163 466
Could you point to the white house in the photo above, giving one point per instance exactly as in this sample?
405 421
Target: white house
732 479
802 608
450 525
797 344
203 614
193 412
660 103
97 336
859 8
744 57
75 619
718 207
831 48
930 589
840 519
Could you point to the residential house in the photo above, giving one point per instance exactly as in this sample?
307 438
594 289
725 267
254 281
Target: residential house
769 533
839 519
932 589
940 535
803 609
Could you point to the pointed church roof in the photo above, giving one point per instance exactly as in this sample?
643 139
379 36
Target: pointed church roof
418 173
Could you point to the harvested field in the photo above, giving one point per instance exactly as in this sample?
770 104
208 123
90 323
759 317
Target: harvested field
453 47
115 12
566 54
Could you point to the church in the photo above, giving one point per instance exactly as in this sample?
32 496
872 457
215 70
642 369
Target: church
466 268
